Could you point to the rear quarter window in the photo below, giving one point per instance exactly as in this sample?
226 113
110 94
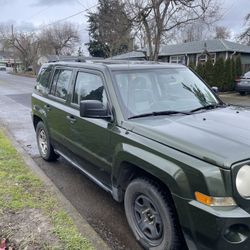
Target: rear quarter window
43 80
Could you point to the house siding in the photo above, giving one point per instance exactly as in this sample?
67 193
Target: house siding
245 60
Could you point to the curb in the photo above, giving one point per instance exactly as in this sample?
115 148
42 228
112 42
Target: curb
82 225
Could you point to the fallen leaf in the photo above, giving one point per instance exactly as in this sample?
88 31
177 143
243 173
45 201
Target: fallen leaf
3 244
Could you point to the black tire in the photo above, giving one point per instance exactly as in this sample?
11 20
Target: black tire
148 207
242 93
43 142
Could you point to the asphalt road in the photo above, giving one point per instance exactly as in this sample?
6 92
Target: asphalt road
105 215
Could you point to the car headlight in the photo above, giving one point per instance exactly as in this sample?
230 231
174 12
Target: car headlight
243 181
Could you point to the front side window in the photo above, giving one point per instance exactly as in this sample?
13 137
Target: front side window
89 87
157 90
61 83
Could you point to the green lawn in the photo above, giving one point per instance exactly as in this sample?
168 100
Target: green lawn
21 192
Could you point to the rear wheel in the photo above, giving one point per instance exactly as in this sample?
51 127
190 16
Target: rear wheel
151 216
242 92
43 141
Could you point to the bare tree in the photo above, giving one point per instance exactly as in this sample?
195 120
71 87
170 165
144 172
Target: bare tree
195 31
222 32
158 17
24 45
245 35
59 39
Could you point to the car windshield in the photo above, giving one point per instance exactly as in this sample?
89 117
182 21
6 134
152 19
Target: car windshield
158 90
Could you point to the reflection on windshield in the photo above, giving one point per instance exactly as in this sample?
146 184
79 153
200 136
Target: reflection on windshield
202 96
145 91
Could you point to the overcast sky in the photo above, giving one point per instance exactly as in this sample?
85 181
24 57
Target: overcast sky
30 14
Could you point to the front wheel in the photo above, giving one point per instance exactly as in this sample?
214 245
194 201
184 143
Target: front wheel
43 141
151 216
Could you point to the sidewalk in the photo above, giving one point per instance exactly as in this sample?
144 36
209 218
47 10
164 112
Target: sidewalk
33 212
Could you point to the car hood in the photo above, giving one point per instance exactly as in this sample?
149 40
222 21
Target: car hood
219 136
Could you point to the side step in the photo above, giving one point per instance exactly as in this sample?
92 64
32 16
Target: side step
90 176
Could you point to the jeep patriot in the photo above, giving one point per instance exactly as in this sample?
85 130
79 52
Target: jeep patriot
158 139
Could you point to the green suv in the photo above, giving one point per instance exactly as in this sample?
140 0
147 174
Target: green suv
157 138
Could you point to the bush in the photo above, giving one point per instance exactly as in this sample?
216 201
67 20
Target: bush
200 70
222 74
238 67
219 68
228 76
209 72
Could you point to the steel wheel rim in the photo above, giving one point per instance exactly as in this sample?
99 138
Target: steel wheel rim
43 143
148 219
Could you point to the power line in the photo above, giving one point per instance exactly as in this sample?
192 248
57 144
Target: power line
68 17
38 13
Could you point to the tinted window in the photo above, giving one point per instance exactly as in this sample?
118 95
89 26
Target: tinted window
43 79
89 87
61 83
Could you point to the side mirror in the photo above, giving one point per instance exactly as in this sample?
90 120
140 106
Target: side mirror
93 109
215 90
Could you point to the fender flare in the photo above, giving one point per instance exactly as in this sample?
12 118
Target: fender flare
165 170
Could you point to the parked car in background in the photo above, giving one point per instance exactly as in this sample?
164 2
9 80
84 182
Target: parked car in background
2 68
243 85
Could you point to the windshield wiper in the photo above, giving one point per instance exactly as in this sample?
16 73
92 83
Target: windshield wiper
209 106
168 112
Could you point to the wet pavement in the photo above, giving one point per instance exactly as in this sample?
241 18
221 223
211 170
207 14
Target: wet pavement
105 215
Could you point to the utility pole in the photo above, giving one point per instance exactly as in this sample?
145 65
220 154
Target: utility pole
13 41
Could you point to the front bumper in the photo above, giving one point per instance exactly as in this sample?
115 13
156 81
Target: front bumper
213 228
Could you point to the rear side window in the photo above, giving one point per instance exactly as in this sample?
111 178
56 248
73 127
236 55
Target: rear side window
60 84
89 87
43 79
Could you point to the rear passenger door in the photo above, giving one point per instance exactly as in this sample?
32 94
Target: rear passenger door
90 136
57 107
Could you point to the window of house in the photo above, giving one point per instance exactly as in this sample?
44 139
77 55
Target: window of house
202 58
89 87
61 83
178 59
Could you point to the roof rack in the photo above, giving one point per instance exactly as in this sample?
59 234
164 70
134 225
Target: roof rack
122 61
102 61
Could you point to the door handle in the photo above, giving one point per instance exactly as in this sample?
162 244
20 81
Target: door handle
71 118
47 107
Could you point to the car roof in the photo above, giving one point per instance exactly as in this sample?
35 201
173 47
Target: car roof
117 64
247 75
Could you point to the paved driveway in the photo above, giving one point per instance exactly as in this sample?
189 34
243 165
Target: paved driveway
236 99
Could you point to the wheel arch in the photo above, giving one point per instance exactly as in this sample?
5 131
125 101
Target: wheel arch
132 162
36 119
